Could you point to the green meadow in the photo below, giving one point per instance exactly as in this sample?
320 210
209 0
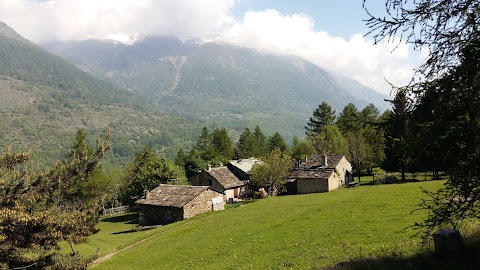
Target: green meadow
312 231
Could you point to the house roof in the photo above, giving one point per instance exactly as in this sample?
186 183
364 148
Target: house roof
315 174
245 164
172 195
318 161
225 177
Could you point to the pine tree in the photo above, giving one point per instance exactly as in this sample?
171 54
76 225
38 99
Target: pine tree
277 142
349 119
323 116
39 210
246 145
222 143
396 145
261 147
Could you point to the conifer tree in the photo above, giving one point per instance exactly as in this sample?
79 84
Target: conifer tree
323 116
38 210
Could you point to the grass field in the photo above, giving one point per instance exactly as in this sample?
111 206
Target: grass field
291 232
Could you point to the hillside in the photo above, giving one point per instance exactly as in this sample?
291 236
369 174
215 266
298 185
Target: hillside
45 99
220 83
292 232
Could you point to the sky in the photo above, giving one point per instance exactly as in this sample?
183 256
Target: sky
330 34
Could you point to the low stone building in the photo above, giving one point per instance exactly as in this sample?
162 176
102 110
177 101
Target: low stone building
170 203
222 180
243 167
321 173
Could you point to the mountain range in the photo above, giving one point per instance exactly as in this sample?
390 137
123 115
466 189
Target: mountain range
158 91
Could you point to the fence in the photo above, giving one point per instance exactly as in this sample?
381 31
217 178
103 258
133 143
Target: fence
115 210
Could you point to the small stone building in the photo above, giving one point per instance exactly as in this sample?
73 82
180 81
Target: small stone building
243 167
222 180
170 203
321 173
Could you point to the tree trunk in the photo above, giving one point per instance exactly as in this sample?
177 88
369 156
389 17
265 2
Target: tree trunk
74 252
403 175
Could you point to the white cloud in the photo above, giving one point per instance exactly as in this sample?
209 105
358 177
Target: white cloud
81 19
269 31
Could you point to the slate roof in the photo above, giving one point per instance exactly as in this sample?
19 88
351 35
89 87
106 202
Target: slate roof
245 164
225 177
172 195
317 161
317 174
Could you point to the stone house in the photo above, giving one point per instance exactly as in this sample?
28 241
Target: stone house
320 173
170 203
242 167
222 180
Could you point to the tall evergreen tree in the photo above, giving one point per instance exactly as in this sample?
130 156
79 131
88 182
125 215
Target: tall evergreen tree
246 145
276 142
39 210
323 116
203 140
261 147
349 119
396 145
222 143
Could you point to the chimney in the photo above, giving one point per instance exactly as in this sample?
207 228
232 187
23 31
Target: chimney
326 163
147 194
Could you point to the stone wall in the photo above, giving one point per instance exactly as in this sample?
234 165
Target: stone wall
204 179
309 185
201 204
343 166
157 215
316 185
334 182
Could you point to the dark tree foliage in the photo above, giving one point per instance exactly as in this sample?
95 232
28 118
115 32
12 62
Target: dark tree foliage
194 164
203 140
261 147
277 142
222 143
38 210
373 133
349 119
246 145
445 112
448 115
301 149
396 143
146 172
323 116
441 25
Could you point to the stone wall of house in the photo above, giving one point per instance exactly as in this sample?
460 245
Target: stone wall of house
201 204
308 185
238 173
204 179
157 215
315 185
343 166
334 182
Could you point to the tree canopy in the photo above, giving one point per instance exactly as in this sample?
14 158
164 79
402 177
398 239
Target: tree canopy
40 209
322 116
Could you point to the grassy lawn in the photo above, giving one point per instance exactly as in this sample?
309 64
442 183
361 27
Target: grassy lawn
300 232
112 236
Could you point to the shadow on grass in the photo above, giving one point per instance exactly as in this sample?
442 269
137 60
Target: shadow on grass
139 229
130 218
238 204
469 259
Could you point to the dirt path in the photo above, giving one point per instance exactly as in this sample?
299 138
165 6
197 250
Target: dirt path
110 255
